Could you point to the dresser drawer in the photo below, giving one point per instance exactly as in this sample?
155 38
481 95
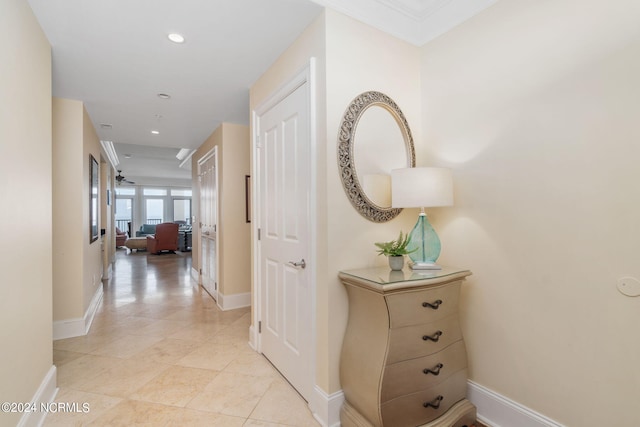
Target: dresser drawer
427 305
425 372
410 410
416 341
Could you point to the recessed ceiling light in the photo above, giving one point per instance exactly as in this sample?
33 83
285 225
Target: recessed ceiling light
127 156
105 126
155 132
176 38
164 96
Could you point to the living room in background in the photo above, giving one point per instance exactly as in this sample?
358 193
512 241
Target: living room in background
140 205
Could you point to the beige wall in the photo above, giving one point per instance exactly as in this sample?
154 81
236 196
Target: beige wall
535 107
233 231
77 262
25 217
351 58
235 236
358 60
92 258
68 209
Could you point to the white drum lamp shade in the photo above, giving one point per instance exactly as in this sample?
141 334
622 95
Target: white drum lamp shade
421 187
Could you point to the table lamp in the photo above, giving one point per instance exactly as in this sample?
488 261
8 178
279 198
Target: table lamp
422 188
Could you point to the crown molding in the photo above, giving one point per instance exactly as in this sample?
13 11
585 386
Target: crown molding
414 21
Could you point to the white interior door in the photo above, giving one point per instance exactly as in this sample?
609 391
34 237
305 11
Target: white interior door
208 180
286 297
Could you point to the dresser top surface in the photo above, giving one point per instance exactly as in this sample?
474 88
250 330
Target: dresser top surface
384 279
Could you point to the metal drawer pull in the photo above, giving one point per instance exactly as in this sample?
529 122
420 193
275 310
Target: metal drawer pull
435 370
435 337
433 305
435 403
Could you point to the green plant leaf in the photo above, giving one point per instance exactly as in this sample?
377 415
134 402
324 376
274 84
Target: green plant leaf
395 247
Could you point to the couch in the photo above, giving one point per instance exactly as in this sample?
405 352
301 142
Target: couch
165 238
146 229
121 237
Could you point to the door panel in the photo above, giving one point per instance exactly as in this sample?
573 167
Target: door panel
291 308
272 296
270 183
283 188
207 175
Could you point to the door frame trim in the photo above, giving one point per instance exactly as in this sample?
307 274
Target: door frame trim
307 75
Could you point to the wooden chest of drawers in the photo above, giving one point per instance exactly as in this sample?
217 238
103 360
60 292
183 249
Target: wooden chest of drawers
404 362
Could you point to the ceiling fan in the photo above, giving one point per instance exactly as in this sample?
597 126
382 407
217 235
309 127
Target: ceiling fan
120 179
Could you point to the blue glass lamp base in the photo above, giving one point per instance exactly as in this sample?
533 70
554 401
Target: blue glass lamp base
425 245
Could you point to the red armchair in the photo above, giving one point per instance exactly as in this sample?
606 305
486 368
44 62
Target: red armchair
165 239
121 237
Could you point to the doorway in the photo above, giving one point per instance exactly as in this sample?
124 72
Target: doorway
284 260
208 183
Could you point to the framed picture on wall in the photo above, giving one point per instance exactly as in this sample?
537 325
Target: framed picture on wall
93 199
247 197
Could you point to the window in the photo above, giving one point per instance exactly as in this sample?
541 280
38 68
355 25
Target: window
125 191
182 210
181 192
124 213
154 211
151 205
154 192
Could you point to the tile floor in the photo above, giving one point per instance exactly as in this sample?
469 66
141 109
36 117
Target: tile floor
161 353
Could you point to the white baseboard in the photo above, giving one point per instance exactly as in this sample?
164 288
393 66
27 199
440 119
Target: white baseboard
326 407
70 328
90 314
496 410
230 302
195 275
45 394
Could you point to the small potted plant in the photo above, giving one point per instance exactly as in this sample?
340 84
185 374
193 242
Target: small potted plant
395 250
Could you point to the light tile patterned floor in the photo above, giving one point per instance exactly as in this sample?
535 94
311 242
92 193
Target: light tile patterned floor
161 353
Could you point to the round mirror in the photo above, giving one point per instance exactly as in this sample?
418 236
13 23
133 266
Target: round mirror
374 139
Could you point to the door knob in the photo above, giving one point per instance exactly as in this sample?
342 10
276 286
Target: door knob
301 263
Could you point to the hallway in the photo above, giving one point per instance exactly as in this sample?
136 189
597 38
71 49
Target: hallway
161 353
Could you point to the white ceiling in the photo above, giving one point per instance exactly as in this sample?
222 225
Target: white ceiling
115 57
415 21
